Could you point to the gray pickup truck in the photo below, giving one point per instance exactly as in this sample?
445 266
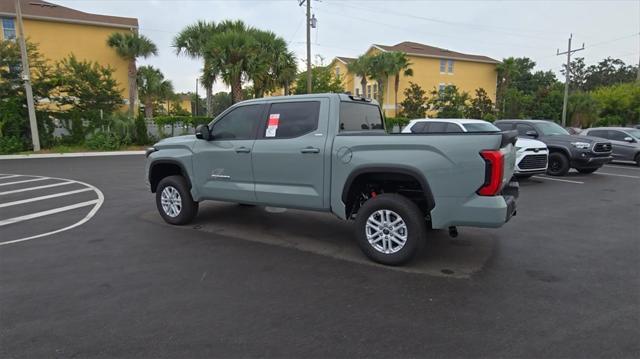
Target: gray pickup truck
330 152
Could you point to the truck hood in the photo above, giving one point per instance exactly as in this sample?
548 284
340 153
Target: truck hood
571 138
186 141
529 143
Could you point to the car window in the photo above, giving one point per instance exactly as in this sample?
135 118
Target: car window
548 128
436 126
617 135
504 126
292 119
522 129
634 133
453 128
239 124
418 127
356 116
598 133
481 127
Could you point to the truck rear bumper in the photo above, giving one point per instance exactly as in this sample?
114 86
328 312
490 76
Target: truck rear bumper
478 211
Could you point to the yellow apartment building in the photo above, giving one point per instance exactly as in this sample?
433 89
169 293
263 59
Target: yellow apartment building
433 68
60 31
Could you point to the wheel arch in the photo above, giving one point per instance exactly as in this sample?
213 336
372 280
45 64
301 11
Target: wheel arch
160 169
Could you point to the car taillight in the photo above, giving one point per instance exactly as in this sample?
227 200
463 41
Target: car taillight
494 170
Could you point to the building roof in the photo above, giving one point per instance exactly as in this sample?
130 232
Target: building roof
417 49
345 60
43 10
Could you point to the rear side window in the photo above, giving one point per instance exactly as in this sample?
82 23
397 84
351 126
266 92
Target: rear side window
523 128
481 127
453 128
418 127
504 126
598 133
292 119
437 127
356 116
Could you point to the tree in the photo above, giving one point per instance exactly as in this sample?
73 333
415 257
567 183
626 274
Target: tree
415 100
221 101
620 101
380 68
481 106
152 87
272 63
398 64
192 42
360 67
582 109
131 46
449 103
322 79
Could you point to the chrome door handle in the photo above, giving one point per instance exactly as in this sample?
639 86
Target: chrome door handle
310 150
243 150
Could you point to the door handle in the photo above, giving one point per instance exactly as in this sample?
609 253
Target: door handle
310 150
243 149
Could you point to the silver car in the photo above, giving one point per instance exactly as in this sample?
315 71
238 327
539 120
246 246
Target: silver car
625 141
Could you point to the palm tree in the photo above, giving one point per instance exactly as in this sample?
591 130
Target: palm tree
272 65
399 65
380 68
152 87
131 46
360 67
507 70
191 41
230 53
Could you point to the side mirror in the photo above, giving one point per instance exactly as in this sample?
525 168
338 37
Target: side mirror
531 133
203 132
629 139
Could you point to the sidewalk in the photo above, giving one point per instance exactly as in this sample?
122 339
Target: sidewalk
71 154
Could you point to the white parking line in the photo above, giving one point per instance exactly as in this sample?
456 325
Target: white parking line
10 176
24 181
97 203
616 175
46 213
9 204
632 168
557 179
39 187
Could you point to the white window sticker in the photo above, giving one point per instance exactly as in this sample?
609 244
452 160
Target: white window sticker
272 125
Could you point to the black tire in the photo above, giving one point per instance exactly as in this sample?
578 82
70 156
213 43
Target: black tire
587 171
188 208
638 160
414 229
558 164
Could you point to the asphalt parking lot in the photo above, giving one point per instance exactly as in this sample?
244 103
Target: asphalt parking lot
95 273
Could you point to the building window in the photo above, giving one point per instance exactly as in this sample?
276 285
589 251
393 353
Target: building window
375 91
368 94
443 66
337 72
450 66
8 29
441 88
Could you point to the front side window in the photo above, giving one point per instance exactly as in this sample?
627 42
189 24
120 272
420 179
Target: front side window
617 135
355 116
523 129
504 126
8 29
239 124
549 128
292 119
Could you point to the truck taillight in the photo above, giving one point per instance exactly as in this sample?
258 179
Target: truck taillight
494 170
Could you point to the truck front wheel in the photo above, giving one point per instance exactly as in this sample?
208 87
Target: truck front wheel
558 164
174 201
390 229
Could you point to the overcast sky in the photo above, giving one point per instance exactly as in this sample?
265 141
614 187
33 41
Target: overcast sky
496 29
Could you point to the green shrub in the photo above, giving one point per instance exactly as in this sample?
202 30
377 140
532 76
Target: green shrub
103 141
141 134
391 122
10 144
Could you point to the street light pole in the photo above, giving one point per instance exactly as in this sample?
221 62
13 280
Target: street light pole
26 78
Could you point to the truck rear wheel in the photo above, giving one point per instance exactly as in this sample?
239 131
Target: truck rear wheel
174 201
558 164
390 229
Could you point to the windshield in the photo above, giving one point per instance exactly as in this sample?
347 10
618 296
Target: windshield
550 129
634 133
480 127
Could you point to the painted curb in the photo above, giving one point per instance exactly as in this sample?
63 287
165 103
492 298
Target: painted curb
75 154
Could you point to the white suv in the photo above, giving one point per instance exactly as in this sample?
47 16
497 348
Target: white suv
532 155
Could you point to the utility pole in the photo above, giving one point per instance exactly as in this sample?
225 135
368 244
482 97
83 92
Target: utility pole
26 77
309 77
567 76
197 99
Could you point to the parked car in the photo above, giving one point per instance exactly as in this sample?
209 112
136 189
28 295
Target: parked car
531 157
625 141
585 154
330 152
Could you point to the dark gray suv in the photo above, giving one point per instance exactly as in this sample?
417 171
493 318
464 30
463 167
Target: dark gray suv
584 153
625 141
